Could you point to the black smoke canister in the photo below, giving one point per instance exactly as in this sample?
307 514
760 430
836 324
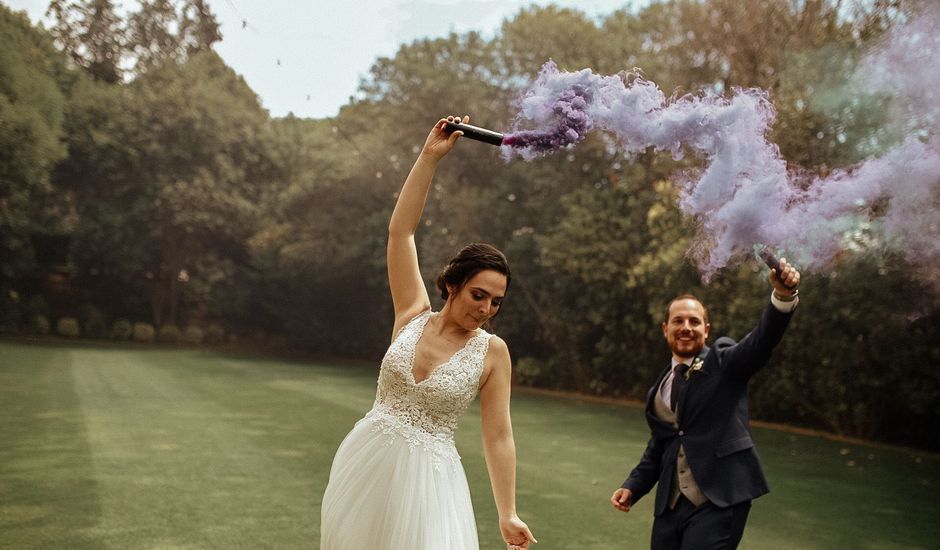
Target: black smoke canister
475 132
771 261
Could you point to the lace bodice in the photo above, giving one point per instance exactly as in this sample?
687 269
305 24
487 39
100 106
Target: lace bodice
428 410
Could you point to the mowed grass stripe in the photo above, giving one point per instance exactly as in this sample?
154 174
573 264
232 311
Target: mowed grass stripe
48 491
148 448
177 449
186 468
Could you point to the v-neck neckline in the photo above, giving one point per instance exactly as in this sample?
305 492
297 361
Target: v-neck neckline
414 352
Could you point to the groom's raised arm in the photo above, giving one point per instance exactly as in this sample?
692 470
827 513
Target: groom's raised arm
748 356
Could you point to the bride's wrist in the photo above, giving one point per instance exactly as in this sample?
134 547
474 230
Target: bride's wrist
429 157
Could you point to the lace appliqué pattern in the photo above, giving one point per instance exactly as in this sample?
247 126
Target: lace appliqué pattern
426 413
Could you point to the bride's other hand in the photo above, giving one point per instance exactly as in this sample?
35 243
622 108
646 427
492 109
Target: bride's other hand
439 142
516 533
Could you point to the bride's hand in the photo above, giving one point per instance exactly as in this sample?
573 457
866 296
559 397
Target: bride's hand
439 143
516 533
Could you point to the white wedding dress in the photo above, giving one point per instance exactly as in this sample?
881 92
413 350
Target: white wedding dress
397 482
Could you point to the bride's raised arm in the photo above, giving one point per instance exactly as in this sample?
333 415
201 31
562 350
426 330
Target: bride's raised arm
409 295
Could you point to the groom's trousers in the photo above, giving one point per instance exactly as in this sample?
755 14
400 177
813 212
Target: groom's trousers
706 527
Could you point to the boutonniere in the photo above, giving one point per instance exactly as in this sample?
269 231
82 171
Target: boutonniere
697 365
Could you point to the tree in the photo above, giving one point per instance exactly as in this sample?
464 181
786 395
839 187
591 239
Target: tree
91 33
32 78
316 251
164 31
538 34
168 181
105 44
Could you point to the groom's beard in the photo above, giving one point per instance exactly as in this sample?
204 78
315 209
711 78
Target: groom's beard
687 349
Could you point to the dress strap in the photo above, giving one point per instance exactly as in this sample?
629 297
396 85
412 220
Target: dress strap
477 347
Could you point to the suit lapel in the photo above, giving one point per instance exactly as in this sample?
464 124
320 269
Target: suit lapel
651 399
659 382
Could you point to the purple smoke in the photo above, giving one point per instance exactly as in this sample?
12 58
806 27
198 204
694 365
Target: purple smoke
905 67
745 194
567 111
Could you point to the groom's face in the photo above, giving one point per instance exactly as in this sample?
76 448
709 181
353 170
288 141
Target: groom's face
686 328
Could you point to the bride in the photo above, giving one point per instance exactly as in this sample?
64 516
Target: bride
397 482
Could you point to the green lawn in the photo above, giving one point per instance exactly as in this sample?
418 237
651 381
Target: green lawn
124 448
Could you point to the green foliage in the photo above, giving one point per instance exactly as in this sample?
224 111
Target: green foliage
94 322
121 330
169 334
193 335
327 220
166 31
91 34
68 327
38 324
143 333
31 114
529 371
537 34
102 43
864 374
167 185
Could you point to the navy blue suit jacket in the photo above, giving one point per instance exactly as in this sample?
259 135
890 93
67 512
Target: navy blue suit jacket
713 425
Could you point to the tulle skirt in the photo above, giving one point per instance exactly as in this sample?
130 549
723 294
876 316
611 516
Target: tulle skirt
394 487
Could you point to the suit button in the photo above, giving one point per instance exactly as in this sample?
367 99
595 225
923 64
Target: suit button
681 432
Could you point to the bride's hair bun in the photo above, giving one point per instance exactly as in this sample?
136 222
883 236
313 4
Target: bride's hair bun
472 259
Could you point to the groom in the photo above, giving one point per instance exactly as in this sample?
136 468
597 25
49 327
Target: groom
701 452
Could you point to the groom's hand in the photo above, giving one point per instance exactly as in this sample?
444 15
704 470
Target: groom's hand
622 499
786 283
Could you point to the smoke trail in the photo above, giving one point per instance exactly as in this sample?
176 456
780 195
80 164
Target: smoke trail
905 68
745 194
555 101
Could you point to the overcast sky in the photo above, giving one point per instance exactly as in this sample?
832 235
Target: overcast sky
307 57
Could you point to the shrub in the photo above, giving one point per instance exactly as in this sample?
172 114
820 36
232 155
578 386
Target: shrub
68 326
529 371
169 334
193 335
38 324
215 334
94 324
143 332
121 330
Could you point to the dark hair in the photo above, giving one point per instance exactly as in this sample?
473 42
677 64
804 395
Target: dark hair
472 259
684 297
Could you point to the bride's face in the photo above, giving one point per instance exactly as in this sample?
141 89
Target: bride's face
478 300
